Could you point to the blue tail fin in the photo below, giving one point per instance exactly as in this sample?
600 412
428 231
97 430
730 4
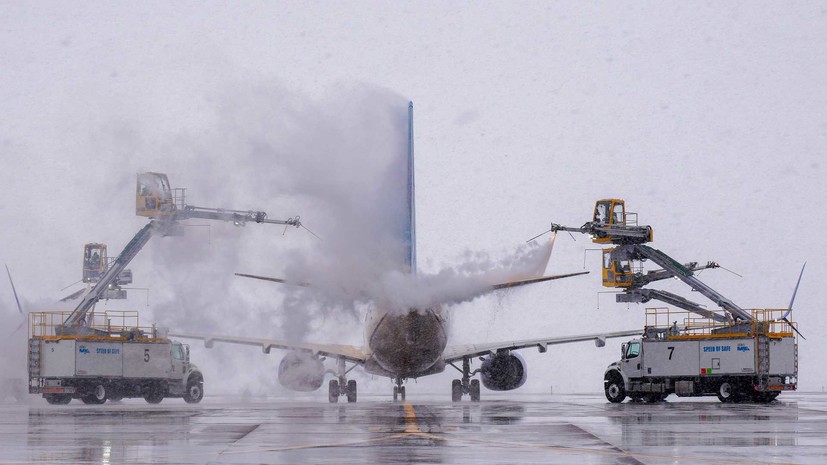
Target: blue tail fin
410 231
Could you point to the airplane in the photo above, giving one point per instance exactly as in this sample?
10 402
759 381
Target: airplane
408 343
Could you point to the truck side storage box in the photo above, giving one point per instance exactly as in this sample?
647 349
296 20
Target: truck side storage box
57 358
146 360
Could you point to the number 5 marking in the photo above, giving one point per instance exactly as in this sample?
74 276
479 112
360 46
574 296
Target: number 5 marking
146 355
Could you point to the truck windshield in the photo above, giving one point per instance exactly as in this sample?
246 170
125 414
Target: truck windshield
633 350
177 353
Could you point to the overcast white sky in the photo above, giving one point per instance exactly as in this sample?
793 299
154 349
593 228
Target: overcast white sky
710 119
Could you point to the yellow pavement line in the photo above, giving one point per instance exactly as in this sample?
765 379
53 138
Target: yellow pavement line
410 419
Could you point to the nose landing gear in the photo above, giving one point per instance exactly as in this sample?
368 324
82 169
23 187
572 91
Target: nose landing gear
399 389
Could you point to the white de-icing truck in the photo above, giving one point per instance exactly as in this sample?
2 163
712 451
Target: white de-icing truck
108 356
689 356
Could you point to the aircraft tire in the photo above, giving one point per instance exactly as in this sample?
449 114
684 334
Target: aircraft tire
351 391
475 390
402 393
456 390
333 391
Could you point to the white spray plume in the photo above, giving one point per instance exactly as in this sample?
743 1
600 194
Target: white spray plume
340 161
395 290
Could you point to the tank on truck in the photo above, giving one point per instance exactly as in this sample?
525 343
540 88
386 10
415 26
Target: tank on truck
165 207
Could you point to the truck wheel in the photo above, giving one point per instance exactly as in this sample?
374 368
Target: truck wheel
333 391
615 391
764 397
58 399
351 391
195 390
655 398
727 392
96 397
154 395
475 390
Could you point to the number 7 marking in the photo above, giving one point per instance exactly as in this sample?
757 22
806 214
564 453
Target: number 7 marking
671 350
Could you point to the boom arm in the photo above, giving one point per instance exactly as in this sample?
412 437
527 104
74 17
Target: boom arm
658 275
610 226
237 217
163 225
94 295
621 234
685 275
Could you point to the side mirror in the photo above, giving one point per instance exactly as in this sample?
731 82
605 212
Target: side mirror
623 351
187 352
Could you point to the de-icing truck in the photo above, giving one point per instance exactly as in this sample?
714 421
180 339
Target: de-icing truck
108 356
752 360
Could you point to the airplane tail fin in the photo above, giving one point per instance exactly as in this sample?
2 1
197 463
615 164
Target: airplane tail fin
410 231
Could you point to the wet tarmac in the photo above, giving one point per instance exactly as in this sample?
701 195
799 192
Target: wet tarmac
518 429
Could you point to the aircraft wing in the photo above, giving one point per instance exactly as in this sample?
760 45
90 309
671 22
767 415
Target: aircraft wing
458 352
347 352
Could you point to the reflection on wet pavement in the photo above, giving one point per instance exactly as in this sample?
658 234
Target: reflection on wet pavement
508 429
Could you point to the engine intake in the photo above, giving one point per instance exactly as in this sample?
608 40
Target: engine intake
503 372
300 371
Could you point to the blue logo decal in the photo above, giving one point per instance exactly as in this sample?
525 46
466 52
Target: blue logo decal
742 348
83 350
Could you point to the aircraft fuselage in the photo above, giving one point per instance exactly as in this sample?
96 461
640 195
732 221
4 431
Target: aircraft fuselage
406 344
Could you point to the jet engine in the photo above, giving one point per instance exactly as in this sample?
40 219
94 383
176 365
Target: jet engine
300 371
503 372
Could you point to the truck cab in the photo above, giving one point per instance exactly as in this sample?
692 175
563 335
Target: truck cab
631 358
188 380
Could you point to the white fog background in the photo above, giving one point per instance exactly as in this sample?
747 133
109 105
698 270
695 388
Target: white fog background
709 119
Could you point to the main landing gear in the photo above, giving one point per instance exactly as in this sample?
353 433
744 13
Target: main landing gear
341 386
466 385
